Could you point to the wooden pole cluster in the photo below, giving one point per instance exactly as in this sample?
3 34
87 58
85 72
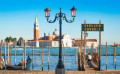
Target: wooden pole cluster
33 57
48 55
99 47
106 55
42 56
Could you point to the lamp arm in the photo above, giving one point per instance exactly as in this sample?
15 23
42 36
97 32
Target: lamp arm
69 21
56 17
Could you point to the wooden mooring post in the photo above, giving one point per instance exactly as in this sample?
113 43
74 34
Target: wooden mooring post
76 55
84 44
63 54
48 56
42 55
10 56
106 55
15 53
23 60
8 53
25 54
5 54
99 47
33 57
1 51
81 49
114 61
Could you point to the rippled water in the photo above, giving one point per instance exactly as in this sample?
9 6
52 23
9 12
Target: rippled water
70 60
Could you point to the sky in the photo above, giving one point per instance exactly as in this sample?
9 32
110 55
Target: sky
17 18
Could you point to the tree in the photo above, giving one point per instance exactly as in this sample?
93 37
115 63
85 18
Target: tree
19 41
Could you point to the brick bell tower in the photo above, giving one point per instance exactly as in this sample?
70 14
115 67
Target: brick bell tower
36 29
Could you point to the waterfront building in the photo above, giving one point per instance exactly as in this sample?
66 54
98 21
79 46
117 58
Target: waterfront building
89 42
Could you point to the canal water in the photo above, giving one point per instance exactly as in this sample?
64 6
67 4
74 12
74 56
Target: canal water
70 58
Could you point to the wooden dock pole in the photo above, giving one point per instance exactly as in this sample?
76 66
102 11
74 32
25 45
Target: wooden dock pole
63 53
15 53
23 60
1 52
8 53
81 47
99 47
5 54
106 55
76 55
48 56
25 55
84 44
42 55
114 57
33 57
10 56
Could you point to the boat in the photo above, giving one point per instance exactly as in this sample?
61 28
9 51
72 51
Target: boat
20 66
2 64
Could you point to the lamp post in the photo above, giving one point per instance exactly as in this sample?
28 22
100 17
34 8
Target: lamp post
59 16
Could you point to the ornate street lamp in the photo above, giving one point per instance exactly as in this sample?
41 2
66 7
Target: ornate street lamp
59 16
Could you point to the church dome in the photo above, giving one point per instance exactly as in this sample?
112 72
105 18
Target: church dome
56 33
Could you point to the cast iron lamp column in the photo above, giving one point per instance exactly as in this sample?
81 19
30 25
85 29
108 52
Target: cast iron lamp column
59 16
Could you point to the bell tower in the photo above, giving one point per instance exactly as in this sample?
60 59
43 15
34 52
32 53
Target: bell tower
36 29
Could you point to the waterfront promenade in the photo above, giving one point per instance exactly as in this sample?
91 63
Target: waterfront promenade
53 72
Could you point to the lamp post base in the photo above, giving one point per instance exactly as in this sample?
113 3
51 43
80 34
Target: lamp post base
59 71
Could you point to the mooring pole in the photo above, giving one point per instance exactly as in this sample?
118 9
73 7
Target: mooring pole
10 56
42 55
48 55
23 60
1 52
8 53
25 55
33 56
84 44
81 46
99 46
15 53
63 54
106 55
78 58
5 55
76 55
114 56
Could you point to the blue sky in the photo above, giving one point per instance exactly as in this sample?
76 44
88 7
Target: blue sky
17 18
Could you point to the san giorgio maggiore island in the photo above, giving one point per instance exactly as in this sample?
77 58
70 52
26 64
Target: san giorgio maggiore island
53 40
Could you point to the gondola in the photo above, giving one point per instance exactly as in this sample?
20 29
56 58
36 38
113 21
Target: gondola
20 66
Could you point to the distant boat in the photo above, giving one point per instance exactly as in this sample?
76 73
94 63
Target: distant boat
117 45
